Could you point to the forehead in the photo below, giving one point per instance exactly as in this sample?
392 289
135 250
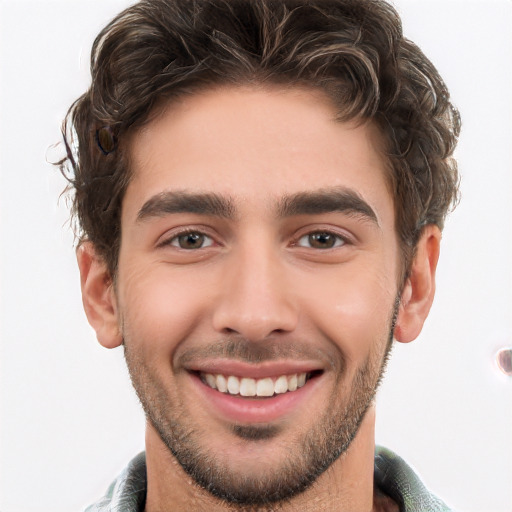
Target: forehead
255 145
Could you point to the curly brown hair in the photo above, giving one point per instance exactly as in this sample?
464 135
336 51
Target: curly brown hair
353 50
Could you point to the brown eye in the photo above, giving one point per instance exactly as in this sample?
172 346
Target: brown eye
192 240
321 240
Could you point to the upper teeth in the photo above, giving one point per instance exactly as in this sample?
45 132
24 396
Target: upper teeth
246 386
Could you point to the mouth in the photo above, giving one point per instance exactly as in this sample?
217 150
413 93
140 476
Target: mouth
244 394
257 388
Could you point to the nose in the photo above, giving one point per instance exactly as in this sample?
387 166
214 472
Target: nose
256 300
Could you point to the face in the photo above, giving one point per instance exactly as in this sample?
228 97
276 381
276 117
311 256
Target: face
257 285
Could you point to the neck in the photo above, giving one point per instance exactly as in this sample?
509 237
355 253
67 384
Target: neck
346 486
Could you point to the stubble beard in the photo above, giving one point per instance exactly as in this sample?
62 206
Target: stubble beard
306 460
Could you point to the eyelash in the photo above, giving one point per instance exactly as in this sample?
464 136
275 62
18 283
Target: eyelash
340 240
175 237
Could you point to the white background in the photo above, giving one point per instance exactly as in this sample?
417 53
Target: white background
69 419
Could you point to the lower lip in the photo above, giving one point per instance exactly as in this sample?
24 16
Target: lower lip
250 410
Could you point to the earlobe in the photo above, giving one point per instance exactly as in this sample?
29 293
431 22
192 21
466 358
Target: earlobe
98 296
419 289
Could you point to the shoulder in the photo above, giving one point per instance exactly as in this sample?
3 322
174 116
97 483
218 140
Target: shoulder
395 478
128 491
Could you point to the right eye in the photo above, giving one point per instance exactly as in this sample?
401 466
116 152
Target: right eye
190 240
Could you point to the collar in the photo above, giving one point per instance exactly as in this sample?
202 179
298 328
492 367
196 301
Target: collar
392 475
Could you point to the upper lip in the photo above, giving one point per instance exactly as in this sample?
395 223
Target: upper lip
254 371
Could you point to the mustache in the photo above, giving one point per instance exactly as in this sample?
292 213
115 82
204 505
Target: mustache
241 349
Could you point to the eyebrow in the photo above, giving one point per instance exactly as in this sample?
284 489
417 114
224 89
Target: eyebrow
326 201
338 199
167 203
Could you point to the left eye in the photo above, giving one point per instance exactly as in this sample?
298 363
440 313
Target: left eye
191 240
321 240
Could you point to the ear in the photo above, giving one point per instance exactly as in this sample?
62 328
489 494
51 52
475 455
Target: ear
419 288
98 296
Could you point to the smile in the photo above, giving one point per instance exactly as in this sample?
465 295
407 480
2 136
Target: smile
249 387
242 393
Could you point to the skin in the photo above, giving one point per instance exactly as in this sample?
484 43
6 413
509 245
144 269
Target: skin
259 284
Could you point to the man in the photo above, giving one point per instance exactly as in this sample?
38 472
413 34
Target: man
260 188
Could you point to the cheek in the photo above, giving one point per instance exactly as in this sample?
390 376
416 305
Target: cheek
353 309
159 308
